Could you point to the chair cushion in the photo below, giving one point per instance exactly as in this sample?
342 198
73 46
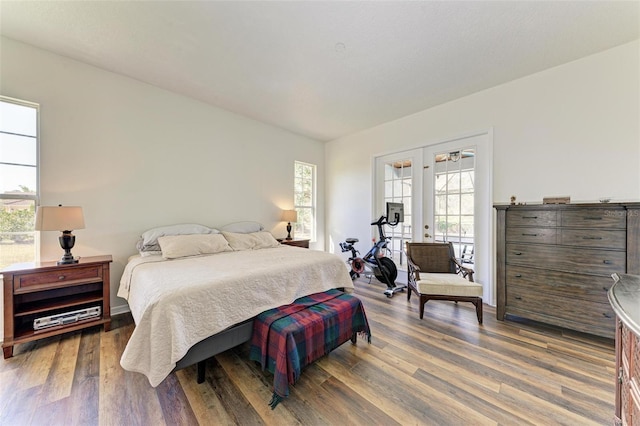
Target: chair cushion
448 285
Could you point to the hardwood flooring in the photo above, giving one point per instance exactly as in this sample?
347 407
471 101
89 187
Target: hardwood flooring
444 369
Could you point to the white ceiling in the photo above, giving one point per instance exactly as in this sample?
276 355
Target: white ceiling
323 69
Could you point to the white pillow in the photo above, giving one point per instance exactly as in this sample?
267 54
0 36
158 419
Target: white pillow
175 246
251 241
149 239
243 227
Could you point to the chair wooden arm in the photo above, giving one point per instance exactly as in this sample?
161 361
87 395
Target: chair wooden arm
463 270
413 268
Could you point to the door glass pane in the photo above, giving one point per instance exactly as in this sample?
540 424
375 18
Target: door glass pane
453 204
466 227
440 207
453 182
466 204
466 181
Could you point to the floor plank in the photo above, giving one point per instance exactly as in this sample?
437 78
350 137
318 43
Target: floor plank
443 369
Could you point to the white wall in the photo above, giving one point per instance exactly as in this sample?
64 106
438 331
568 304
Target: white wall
570 130
135 156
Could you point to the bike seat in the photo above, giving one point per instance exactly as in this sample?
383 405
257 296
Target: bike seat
352 240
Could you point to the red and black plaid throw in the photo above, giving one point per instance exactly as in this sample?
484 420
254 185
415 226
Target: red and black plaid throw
287 338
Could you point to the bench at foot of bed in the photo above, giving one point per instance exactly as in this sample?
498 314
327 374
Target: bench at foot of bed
288 338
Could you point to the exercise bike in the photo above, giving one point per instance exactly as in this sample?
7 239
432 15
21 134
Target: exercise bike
375 261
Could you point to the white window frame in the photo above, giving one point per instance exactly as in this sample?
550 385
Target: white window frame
299 225
22 196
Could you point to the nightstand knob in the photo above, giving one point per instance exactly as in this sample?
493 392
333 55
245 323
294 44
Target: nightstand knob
61 277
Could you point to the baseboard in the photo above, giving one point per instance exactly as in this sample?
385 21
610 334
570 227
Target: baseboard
118 310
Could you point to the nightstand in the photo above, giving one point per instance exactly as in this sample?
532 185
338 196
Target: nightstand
296 242
46 299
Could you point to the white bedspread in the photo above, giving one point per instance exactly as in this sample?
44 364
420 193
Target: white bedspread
177 303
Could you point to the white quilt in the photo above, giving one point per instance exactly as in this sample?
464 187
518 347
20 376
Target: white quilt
177 303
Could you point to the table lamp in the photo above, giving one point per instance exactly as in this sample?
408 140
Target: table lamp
289 216
63 219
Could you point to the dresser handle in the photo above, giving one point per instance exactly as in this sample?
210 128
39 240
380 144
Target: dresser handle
605 288
529 217
606 262
518 298
593 218
530 235
591 238
606 315
517 253
61 277
518 275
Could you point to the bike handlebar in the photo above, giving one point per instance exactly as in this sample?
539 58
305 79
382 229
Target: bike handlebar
380 221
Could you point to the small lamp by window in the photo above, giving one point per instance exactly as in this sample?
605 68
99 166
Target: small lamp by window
289 216
63 219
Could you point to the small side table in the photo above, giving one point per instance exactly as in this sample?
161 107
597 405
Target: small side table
33 291
304 243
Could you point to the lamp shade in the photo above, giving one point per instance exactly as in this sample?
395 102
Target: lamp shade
289 216
59 218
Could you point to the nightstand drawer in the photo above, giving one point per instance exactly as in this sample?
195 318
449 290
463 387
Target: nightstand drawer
54 279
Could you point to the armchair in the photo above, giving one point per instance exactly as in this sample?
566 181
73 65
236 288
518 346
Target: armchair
435 274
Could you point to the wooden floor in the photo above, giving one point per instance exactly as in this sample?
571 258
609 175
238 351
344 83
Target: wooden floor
444 369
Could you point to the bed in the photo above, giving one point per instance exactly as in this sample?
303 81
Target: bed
189 308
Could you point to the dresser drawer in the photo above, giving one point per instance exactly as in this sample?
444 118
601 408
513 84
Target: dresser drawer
561 284
568 259
532 235
531 218
609 238
594 218
592 317
55 279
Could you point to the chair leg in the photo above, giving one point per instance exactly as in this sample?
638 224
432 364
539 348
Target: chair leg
478 304
423 301
408 292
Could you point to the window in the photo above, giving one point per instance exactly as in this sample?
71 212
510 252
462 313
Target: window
18 180
305 200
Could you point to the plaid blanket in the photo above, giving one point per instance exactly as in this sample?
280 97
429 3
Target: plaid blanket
287 338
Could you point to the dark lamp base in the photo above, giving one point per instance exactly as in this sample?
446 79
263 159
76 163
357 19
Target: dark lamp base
289 232
67 241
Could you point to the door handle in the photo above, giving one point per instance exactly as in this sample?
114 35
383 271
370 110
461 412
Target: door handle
427 235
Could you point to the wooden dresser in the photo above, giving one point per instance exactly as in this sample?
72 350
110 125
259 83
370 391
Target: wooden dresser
554 261
625 300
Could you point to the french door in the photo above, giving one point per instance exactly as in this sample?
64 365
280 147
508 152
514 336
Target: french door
446 188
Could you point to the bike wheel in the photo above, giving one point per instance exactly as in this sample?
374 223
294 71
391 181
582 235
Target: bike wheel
390 270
